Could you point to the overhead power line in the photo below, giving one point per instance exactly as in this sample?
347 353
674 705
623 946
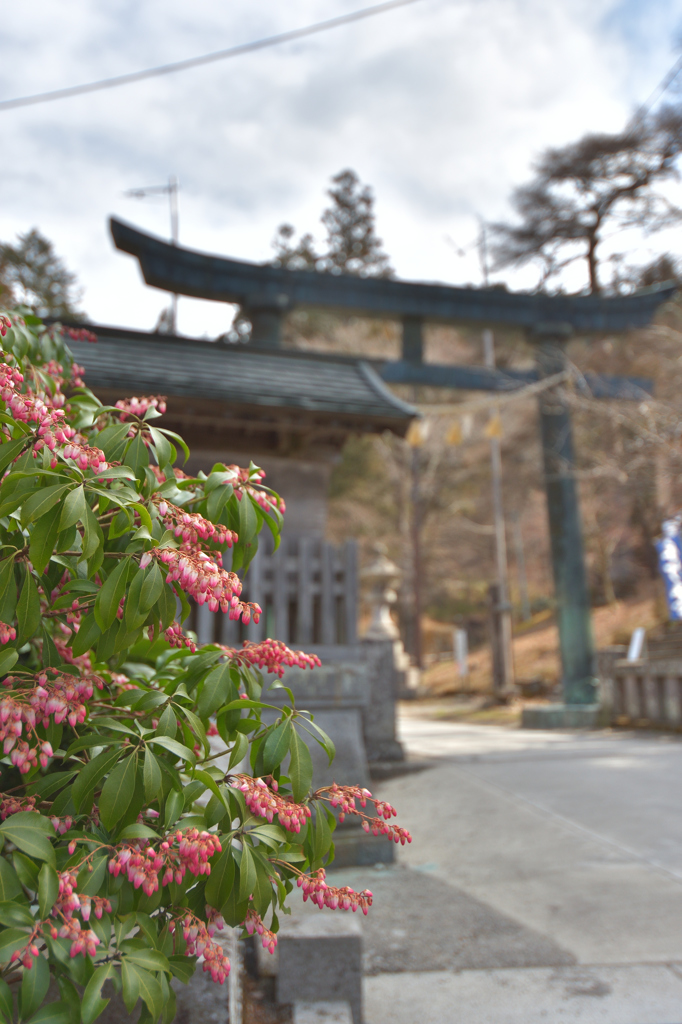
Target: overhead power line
660 89
207 58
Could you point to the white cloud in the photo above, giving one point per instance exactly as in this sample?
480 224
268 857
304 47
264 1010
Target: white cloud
440 106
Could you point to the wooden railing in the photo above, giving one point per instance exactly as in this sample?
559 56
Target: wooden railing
308 591
643 692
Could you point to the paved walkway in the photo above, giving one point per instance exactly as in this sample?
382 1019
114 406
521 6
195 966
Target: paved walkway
544 882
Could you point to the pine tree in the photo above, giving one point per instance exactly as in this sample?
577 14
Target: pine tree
352 246
33 274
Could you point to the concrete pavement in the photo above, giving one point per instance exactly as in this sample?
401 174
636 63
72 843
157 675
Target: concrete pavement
544 881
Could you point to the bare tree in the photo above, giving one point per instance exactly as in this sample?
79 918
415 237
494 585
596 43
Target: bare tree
34 275
581 189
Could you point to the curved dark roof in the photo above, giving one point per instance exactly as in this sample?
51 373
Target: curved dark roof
256 286
137 363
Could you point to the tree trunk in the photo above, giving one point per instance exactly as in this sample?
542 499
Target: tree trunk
593 242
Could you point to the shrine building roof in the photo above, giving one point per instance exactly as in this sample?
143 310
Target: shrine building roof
205 380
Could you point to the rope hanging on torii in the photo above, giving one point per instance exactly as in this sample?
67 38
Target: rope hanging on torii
266 294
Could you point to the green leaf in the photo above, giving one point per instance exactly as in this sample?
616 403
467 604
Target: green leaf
90 775
87 636
48 889
6 1002
28 609
168 723
8 590
43 539
117 792
8 658
14 915
239 750
73 508
93 538
179 749
163 447
9 451
221 880
300 767
137 456
52 1013
175 803
248 520
276 746
93 1004
134 614
34 986
10 886
51 656
130 985
215 691
139 831
150 959
112 440
150 989
183 967
29 832
71 998
40 502
10 940
90 882
151 776
247 873
111 593
152 587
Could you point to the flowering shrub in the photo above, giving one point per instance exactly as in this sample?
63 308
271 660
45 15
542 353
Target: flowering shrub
124 848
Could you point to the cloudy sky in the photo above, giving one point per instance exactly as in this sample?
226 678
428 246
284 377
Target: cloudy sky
440 106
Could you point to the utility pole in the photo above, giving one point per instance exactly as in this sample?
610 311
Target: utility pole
521 567
503 681
171 190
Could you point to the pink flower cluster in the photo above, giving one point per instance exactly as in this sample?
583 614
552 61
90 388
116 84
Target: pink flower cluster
138 406
199 939
14 804
342 898
52 431
27 954
81 941
69 901
184 851
84 455
244 484
7 633
344 797
254 923
81 334
175 637
272 655
204 580
264 801
190 526
5 324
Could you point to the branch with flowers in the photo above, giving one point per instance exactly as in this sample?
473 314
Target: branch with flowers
124 848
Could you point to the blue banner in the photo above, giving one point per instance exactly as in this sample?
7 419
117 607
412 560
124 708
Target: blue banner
669 549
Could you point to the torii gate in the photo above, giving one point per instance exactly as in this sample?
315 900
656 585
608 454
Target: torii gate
267 293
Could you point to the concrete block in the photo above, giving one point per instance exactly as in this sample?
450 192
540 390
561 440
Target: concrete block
320 959
322 1013
563 716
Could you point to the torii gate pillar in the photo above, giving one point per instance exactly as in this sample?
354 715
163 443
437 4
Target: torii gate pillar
568 557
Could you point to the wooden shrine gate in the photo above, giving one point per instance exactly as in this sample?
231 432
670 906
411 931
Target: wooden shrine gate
266 294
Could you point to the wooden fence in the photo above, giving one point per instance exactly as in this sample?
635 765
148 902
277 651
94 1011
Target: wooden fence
308 591
643 692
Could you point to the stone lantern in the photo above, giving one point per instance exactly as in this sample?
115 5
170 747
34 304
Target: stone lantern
383 577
